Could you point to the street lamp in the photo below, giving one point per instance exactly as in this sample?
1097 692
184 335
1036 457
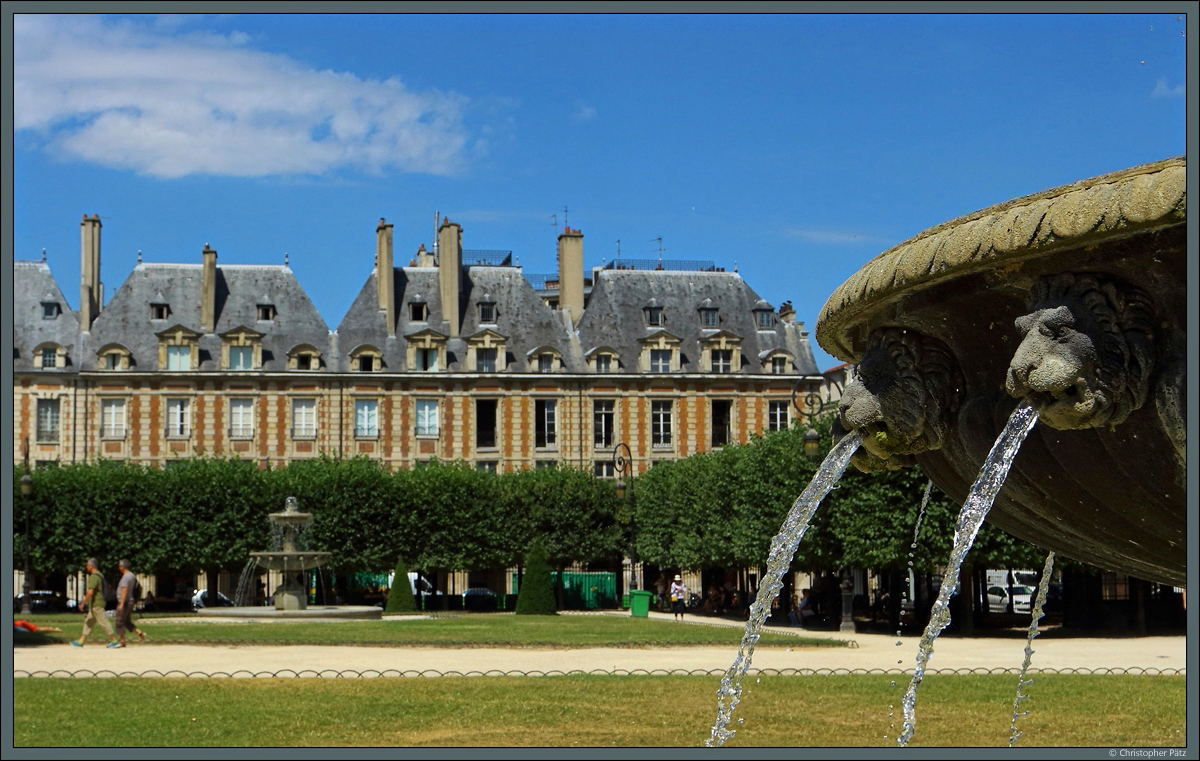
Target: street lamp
622 466
847 585
811 406
26 498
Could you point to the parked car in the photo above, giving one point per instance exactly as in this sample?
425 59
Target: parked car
42 601
998 599
200 600
479 599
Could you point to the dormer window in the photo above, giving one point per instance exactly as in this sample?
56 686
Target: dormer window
49 357
159 311
418 311
487 311
722 360
366 359
179 358
653 313
777 361
304 357
50 310
779 365
487 351
241 349
178 349
604 363
603 359
241 358
764 316
709 318
266 312
113 357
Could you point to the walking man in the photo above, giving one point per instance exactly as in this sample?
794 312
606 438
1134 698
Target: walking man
93 599
126 594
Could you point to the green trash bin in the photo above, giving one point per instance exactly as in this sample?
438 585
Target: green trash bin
639 603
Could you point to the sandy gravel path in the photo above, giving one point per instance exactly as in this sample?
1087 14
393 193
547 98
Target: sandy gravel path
872 652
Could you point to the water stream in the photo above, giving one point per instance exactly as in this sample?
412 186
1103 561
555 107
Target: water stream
244 581
975 509
1036 615
912 549
783 547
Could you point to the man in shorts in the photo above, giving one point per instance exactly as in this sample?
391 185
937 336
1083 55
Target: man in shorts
94 600
126 595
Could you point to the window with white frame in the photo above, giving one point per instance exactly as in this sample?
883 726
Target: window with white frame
112 360
660 360
764 318
304 418
660 424
709 318
366 418
241 418
654 315
49 357
604 363
427 417
722 360
179 422
112 418
485 360
50 310
604 469
48 419
545 425
427 359
241 357
487 312
777 415
603 421
179 358
779 365
545 363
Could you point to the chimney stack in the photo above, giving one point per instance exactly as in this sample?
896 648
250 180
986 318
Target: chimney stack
208 289
570 273
786 312
89 270
450 272
424 258
385 280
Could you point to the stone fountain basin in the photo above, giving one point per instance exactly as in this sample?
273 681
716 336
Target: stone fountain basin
311 613
1114 498
291 561
292 519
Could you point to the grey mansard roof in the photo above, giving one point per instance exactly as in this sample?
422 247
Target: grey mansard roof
614 317
32 285
240 289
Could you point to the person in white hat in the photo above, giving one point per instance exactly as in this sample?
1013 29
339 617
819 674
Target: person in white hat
678 594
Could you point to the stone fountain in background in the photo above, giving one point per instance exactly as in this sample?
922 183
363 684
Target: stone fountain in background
292 563
1074 298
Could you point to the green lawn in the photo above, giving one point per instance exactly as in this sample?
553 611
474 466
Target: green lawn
598 711
465 630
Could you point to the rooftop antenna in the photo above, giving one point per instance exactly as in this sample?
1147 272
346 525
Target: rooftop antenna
555 218
660 250
437 221
566 225
618 249
43 256
285 258
139 261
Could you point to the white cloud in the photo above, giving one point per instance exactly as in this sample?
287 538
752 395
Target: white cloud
1163 90
583 112
165 102
835 237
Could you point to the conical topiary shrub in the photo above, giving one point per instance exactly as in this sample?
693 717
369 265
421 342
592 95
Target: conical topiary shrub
536 596
400 597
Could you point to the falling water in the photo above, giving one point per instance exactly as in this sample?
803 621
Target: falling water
783 547
975 509
1022 682
243 586
912 549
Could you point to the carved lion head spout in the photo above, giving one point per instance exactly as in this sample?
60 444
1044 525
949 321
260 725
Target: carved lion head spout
903 398
1087 351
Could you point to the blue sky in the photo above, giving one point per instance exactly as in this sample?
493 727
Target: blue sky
794 146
